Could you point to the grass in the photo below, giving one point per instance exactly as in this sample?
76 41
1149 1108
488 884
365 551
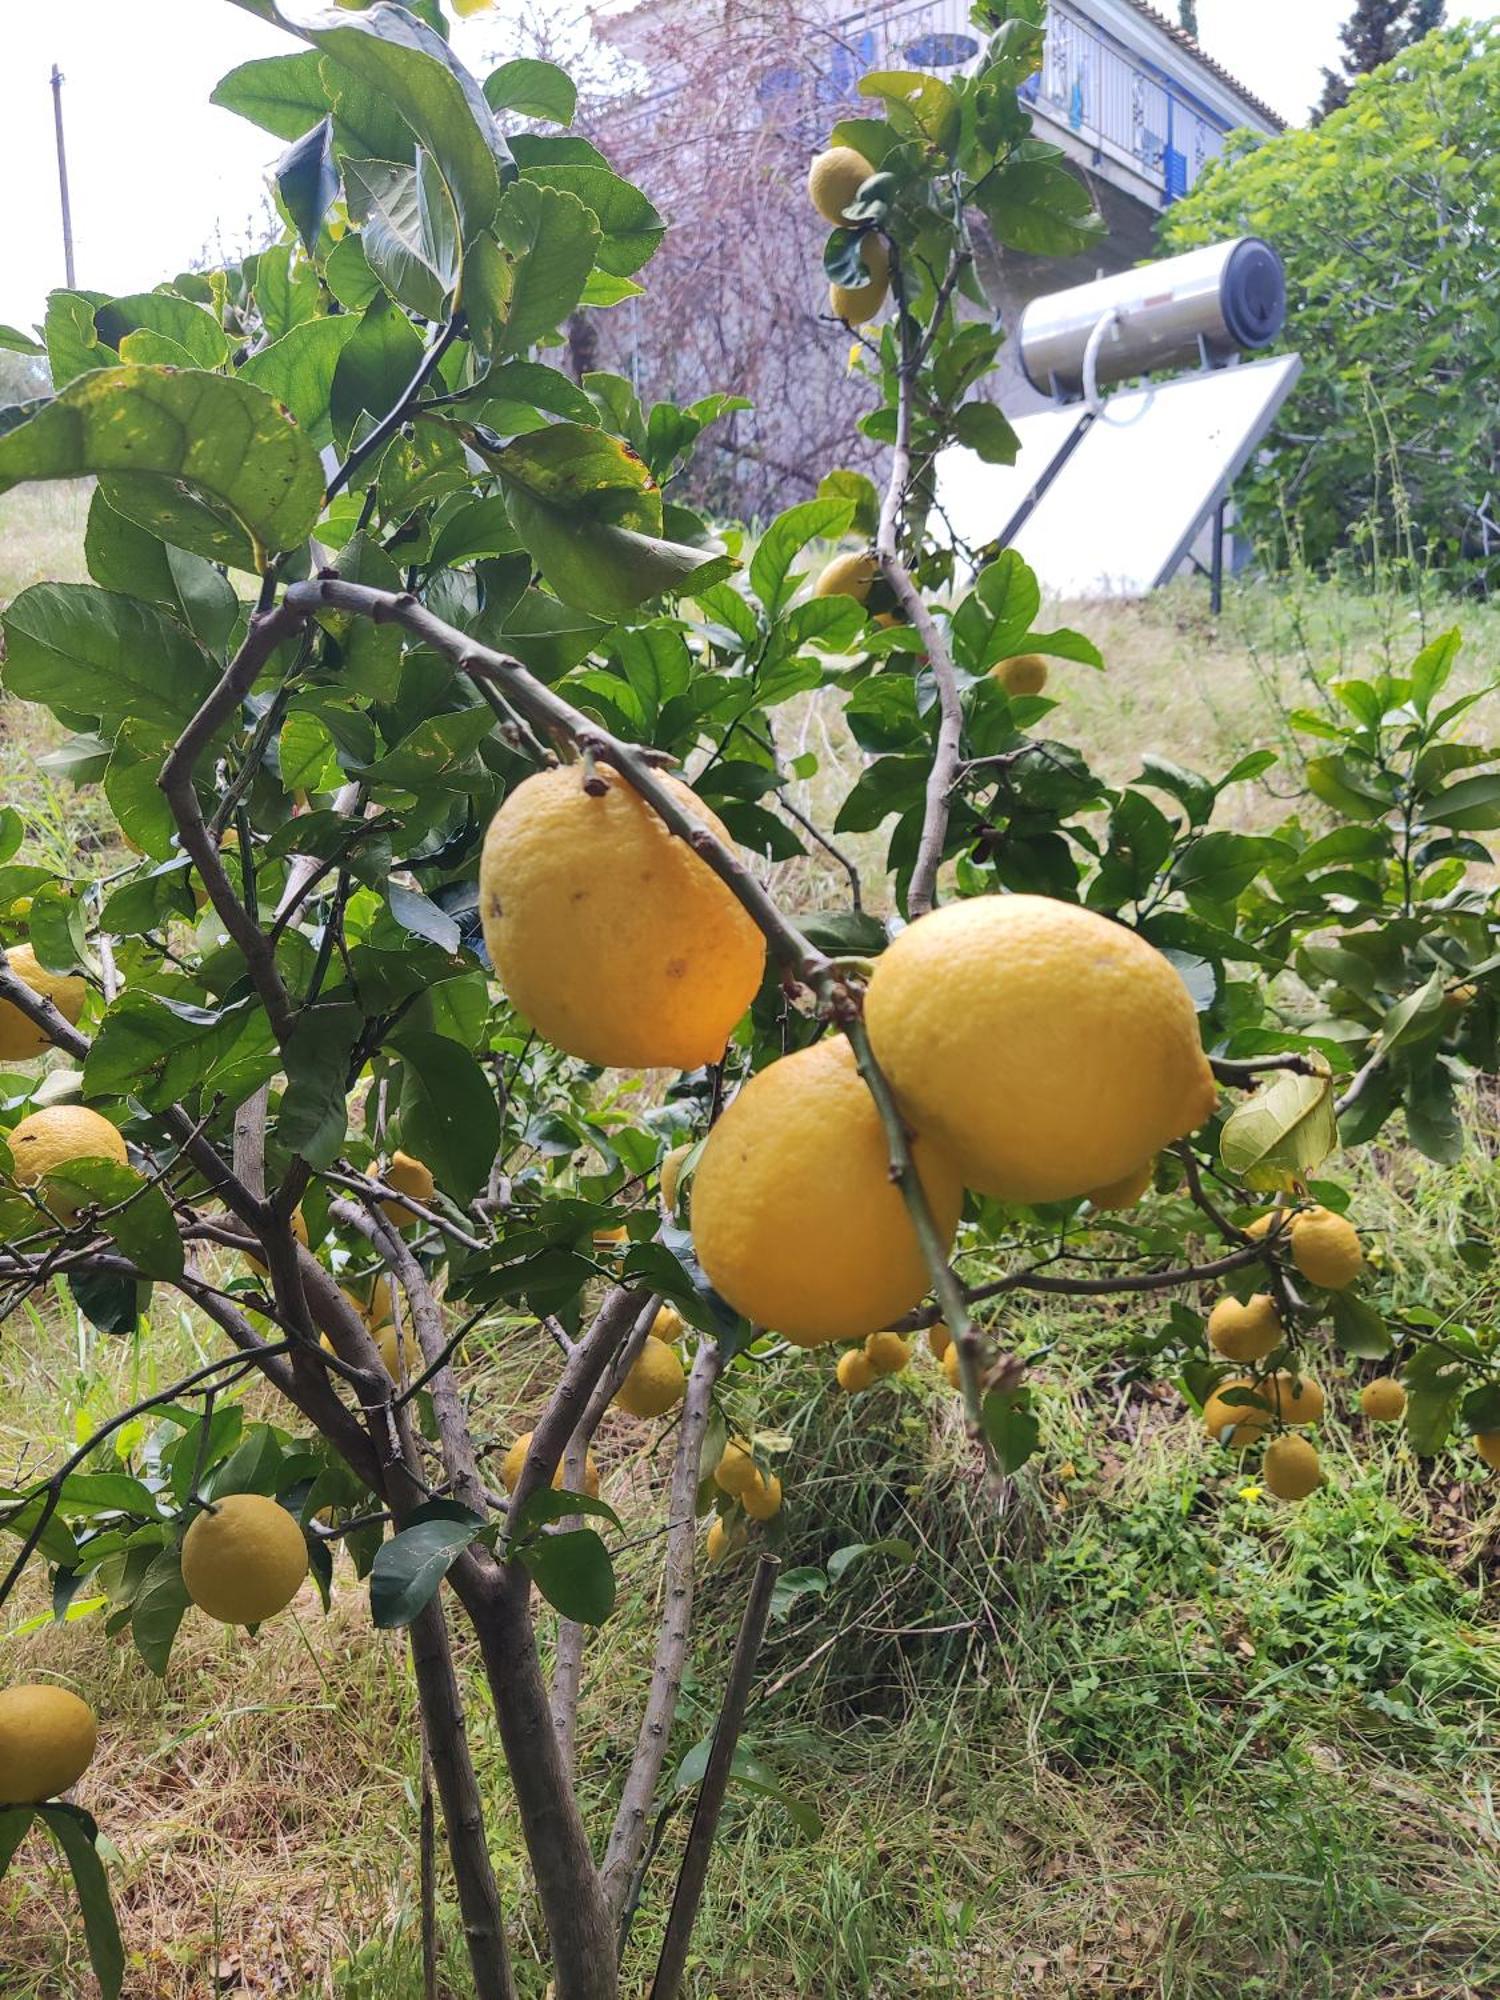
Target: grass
1132 1733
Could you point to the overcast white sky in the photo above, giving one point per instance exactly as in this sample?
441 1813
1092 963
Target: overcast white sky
157 173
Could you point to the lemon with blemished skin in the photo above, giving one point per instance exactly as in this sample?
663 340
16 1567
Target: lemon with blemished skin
854 1372
515 1458
1487 1444
851 575
762 1501
1250 1421
1296 1399
243 1559
1383 1401
736 1470
20 1038
1326 1248
654 1382
724 1540
48 1141
887 1353
1044 1048
47 1741
1247 1332
611 936
796 1219
671 1173
856 305
1025 673
410 1177
1290 1468
1125 1192
834 179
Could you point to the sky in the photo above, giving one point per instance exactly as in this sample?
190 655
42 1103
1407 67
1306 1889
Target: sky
158 175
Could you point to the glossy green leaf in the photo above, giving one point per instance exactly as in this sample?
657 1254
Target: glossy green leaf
446 1113
77 1836
281 94
573 1572
534 88
92 652
409 1567
552 240
298 370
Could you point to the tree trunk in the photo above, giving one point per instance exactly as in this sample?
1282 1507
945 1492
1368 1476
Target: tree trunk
463 1810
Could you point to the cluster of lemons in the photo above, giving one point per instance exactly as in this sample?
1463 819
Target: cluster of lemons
1271 1405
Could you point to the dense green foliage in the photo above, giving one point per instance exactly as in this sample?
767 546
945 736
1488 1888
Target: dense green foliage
1386 214
360 561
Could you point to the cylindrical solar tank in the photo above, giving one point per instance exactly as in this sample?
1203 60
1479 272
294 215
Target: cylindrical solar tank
1231 296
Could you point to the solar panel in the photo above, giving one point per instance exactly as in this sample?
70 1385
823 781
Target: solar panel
1122 498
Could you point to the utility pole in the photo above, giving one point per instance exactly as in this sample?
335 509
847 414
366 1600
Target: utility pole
62 174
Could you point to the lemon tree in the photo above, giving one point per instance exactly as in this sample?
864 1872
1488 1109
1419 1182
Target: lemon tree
449 750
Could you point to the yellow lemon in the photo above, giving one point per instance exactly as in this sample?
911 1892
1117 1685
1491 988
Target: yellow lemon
671 1173
1290 1468
1297 1399
1274 1219
47 1742
795 1216
1026 673
1250 1421
1326 1248
50 1140
1245 1332
723 1540
854 1371
654 1382
20 1038
603 1238
1125 1192
736 1471
612 937
1383 1401
1046 1049
851 575
667 1325
939 1339
1487 1444
243 1560
950 1365
887 1353
410 1177
762 1501
515 1458
834 179
855 305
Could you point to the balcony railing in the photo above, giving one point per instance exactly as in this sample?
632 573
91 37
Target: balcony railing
1126 114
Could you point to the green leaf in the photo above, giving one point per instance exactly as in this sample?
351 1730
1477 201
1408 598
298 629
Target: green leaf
553 241
378 361
1358 1327
13 341
314 1110
158 1608
141 1222
1283 1133
573 1572
534 88
409 1567
771 575
92 652
920 106
446 1113
281 94
77 1836
1470 806
747 1770
1038 205
986 430
992 622
192 327
629 228
142 428
161 1050
1011 1427
1432 666
112 1305
15 1824
73 343
298 370
386 202
550 1503
403 62
588 512
306 179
